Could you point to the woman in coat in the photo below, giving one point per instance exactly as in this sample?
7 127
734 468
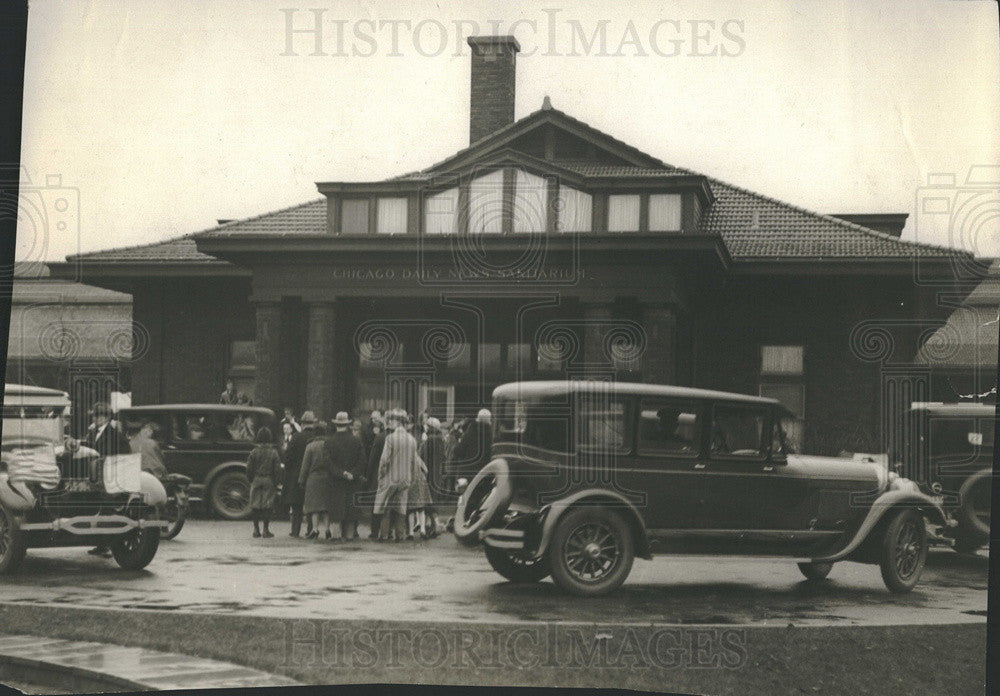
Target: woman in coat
264 472
314 478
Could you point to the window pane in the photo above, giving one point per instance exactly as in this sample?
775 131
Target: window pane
460 357
601 423
486 204
781 360
519 357
243 354
391 216
354 216
441 213
371 358
530 202
489 356
737 432
791 395
665 212
549 357
575 210
669 428
623 213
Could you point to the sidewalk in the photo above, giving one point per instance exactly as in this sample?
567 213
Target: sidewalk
121 668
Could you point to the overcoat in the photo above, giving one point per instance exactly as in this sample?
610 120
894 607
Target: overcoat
314 477
395 471
346 455
264 472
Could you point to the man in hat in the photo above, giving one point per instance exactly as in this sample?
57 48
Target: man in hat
378 433
347 465
293 492
473 451
395 474
107 439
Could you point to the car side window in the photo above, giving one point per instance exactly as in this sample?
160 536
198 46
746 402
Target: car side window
193 427
240 427
668 427
601 423
738 432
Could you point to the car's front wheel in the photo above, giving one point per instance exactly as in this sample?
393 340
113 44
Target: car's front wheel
135 550
904 551
12 546
515 567
229 496
591 551
815 571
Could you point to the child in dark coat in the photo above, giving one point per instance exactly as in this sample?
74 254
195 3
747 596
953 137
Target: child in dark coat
264 472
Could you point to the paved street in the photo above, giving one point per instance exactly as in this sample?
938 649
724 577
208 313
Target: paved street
216 566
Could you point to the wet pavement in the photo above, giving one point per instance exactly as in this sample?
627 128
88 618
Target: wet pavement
216 567
134 667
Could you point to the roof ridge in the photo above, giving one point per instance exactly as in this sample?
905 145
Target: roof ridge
829 218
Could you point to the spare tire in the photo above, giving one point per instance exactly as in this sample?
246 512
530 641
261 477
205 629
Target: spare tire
974 503
486 498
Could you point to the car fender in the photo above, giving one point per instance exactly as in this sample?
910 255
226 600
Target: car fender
153 492
964 513
892 499
552 512
16 497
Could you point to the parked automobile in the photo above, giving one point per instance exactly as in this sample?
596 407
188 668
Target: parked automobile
948 449
208 443
585 476
55 492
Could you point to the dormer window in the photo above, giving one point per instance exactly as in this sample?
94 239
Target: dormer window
530 202
623 213
354 216
486 204
441 212
575 210
665 212
391 216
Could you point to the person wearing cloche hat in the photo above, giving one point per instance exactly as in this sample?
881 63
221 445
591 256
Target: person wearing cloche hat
292 456
346 455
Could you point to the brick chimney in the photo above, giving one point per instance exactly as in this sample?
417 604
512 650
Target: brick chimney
491 98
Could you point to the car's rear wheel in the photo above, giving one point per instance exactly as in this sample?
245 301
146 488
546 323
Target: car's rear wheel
815 571
12 544
975 496
904 551
516 567
591 551
230 496
135 550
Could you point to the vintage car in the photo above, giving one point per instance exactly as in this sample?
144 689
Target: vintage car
948 449
54 492
585 476
208 443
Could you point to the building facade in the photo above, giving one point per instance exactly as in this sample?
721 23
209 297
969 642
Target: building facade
547 248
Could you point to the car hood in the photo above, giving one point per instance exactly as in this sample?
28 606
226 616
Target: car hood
836 467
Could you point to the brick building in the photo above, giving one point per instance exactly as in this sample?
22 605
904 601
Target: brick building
545 248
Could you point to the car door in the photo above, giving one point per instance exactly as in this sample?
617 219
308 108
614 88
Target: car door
737 469
194 448
667 462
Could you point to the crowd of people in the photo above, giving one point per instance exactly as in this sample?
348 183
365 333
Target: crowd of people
391 470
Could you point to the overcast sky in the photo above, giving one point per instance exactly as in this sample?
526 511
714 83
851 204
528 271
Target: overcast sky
168 115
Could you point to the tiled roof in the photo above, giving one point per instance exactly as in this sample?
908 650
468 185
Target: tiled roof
970 335
42 290
756 227
298 219
623 170
180 250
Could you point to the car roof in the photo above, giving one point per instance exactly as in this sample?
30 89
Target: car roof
30 390
557 387
966 408
222 408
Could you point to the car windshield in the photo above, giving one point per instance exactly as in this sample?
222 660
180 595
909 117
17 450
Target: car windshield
45 423
534 421
960 438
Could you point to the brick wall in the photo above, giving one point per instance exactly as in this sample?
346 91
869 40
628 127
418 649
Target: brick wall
491 97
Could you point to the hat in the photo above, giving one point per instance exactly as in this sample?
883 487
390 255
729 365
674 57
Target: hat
308 418
342 418
433 423
484 415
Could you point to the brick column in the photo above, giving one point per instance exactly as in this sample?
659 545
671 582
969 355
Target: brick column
660 358
267 390
321 364
597 321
